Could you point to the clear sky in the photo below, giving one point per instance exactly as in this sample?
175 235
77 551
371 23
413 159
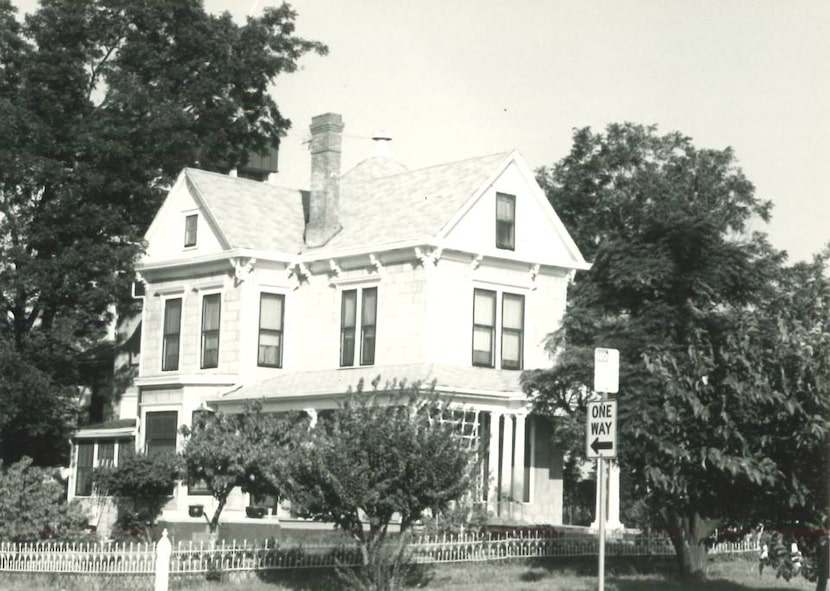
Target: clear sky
450 79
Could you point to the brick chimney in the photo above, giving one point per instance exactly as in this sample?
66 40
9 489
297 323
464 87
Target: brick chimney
324 202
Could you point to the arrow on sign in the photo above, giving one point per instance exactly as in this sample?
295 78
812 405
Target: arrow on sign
597 445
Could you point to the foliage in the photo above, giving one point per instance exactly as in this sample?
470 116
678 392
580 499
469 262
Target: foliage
248 449
720 363
143 484
102 102
390 567
379 455
33 505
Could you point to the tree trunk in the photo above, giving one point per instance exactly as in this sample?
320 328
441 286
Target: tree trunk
688 533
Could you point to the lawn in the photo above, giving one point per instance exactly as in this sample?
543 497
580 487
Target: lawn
580 575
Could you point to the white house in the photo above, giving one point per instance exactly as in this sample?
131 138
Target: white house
453 273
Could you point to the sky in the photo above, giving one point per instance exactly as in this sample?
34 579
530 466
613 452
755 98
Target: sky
453 79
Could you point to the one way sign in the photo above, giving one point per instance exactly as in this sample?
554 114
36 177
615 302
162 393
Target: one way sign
601 431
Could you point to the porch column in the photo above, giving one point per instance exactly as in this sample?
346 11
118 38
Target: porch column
493 463
519 463
506 458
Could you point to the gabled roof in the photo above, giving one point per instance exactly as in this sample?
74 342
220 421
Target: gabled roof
381 204
447 378
410 205
251 214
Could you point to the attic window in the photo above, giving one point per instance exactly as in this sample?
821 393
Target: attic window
190 226
505 221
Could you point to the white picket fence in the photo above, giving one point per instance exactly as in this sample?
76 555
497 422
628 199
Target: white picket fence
189 559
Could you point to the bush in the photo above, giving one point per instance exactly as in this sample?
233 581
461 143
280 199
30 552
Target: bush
33 505
391 567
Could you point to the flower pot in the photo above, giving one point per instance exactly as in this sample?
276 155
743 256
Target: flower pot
255 511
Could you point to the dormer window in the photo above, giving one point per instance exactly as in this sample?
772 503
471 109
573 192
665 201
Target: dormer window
505 221
191 223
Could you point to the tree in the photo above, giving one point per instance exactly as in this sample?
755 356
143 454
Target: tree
378 455
248 450
143 484
33 505
102 102
689 298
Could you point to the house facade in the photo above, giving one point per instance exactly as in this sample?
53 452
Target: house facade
451 276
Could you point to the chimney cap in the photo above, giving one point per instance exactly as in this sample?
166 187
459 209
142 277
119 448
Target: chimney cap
326 120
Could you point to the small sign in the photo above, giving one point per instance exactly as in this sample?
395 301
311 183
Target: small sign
601 429
606 370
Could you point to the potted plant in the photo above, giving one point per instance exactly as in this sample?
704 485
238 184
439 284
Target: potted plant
196 510
256 511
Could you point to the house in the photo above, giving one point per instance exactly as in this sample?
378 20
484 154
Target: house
452 274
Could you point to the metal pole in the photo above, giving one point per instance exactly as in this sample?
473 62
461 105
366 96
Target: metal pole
601 517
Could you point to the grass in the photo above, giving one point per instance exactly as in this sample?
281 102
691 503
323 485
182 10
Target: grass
736 574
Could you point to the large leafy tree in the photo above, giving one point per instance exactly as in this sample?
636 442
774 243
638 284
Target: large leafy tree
102 102
249 450
378 455
715 368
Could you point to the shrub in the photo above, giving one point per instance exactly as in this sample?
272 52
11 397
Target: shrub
33 505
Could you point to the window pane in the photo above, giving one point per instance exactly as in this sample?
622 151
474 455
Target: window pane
369 308
83 473
511 344
347 347
484 308
512 311
171 353
269 349
367 346
190 226
126 448
106 453
505 207
483 346
270 311
210 350
172 316
348 309
210 312
160 432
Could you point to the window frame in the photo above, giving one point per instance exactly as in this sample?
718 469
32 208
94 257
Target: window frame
206 333
360 333
492 328
348 331
512 331
509 224
191 234
149 415
368 331
168 335
280 333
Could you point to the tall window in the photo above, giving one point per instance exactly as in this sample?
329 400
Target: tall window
349 315
505 221
211 305
512 330
172 333
160 432
191 224
83 473
271 312
484 327
368 323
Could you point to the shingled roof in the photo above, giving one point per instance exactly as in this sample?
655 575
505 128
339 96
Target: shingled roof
379 205
447 378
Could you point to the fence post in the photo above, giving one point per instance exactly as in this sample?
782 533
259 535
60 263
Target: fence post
163 549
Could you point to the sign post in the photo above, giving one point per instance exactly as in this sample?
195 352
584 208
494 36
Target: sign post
601 435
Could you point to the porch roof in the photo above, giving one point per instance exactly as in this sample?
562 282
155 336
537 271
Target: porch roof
477 381
113 428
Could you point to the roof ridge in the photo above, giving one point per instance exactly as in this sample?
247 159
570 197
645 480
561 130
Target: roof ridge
240 179
451 163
